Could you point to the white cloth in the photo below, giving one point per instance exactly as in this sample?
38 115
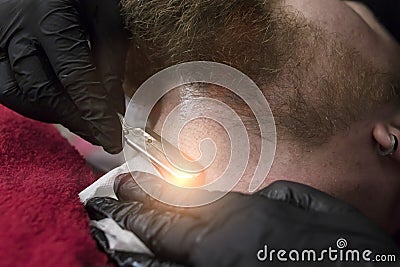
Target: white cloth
118 239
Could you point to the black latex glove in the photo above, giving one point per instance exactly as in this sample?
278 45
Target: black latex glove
231 231
128 259
49 72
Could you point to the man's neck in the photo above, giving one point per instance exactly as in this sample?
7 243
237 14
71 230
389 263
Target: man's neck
347 169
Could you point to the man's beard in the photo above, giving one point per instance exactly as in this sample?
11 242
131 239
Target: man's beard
316 84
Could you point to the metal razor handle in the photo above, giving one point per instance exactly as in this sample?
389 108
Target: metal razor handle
165 156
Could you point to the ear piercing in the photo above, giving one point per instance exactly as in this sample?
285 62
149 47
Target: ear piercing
393 146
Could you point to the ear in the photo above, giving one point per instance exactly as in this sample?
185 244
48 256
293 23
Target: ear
382 133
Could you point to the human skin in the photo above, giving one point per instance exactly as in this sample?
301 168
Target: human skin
347 165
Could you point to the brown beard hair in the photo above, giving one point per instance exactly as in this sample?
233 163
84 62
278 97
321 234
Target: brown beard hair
315 83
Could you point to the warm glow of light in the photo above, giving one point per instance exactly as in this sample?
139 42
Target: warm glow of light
183 179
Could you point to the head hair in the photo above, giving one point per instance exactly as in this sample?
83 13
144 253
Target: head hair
315 83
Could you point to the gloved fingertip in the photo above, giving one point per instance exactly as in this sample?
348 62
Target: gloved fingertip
120 180
127 189
111 141
304 197
97 201
98 208
112 149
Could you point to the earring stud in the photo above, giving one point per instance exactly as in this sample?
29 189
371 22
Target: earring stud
393 147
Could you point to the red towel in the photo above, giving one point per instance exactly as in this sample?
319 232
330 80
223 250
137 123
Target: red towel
42 222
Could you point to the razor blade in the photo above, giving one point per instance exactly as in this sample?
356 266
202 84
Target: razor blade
168 159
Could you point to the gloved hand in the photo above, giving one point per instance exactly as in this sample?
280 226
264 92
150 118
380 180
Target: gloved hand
49 72
233 230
